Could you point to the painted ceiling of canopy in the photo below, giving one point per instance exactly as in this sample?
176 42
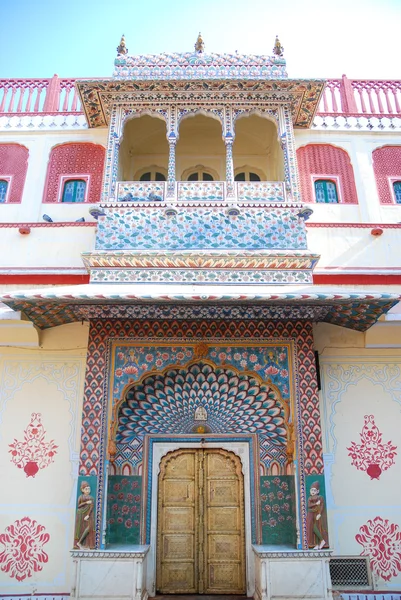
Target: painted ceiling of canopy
49 308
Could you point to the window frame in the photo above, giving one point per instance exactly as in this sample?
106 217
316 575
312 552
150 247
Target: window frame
200 169
249 169
152 169
74 177
332 179
391 182
8 179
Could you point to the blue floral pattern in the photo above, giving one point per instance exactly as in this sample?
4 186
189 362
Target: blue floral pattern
201 228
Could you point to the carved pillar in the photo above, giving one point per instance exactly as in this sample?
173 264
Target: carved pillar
172 141
112 154
229 140
290 157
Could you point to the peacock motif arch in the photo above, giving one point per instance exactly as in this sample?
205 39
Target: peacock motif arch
219 398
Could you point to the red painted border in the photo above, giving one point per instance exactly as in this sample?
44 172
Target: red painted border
94 224
356 225
351 279
319 279
45 224
44 279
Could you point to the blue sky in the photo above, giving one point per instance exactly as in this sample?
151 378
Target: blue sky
322 38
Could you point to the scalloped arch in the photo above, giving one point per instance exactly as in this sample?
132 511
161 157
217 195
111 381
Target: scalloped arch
234 403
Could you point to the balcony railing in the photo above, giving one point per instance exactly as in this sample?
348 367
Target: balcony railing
38 96
205 191
341 97
361 97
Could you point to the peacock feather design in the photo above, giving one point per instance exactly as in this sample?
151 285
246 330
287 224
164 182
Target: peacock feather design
233 402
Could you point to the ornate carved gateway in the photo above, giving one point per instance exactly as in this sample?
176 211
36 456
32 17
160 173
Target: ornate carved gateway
201 432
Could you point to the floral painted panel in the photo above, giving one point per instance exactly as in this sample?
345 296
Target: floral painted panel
277 497
134 228
201 190
269 362
123 509
140 191
260 191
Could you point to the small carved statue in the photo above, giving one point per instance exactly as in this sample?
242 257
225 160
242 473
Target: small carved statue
122 48
278 49
316 521
200 44
84 538
200 414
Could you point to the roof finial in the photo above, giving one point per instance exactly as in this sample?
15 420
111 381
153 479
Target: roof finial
278 49
122 48
200 44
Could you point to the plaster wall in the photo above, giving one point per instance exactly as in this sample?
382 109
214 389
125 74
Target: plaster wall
341 249
39 144
354 249
359 146
57 247
361 385
45 381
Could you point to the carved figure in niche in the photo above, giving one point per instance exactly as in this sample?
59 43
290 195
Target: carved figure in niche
84 520
316 521
200 414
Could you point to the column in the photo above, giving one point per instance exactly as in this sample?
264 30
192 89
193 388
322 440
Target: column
172 141
229 140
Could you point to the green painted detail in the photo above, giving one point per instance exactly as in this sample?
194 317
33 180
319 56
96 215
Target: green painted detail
277 495
123 509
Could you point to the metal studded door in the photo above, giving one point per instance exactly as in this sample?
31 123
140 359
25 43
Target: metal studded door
201 541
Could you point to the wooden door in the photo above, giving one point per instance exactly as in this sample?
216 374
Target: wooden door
201 541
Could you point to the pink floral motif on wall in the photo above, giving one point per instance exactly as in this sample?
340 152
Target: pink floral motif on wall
371 455
381 541
33 453
75 159
23 552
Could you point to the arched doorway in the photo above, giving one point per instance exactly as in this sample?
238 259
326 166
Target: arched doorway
201 526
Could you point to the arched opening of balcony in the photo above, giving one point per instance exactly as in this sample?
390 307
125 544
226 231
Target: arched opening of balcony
256 147
144 148
200 142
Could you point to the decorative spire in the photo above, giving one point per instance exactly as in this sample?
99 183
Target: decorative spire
122 48
200 44
278 49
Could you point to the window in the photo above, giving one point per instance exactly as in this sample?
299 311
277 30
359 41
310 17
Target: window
326 191
397 191
152 176
200 176
74 190
247 176
3 190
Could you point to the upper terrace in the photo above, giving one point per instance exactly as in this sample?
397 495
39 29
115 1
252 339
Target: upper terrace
341 97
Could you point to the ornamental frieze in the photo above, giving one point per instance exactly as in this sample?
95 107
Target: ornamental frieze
99 96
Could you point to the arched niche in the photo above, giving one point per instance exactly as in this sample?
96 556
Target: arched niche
256 145
144 147
200 142
170 402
